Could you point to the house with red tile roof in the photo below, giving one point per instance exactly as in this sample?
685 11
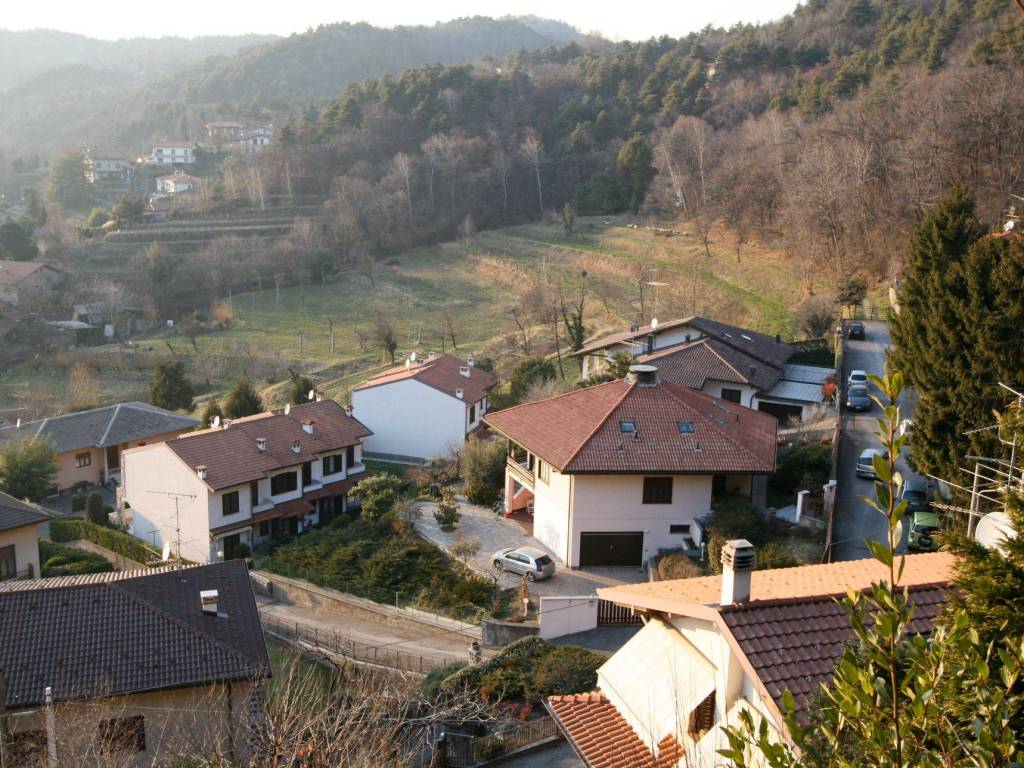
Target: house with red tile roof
424 408
210 493
713 647
614 472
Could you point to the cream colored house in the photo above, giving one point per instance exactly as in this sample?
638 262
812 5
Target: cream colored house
714 646
19 538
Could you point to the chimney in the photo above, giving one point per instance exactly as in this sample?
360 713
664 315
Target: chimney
643 375
464 371
348 409
307 426
201 471
470 362
261 443
458 393
296 448
738 561
778 338
287 409
208 600
431 355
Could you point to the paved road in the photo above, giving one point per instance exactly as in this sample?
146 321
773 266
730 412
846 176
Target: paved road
560 755
856 521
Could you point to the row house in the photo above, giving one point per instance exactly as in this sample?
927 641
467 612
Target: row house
173 153
212 494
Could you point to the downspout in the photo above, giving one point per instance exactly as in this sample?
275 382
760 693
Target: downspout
569 534
231 726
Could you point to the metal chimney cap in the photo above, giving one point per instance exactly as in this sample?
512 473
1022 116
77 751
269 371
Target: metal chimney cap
644 375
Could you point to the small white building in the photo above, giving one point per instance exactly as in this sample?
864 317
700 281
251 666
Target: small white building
176 183
713 647
173 153
616 472
105 170
244 481
251 143
423 409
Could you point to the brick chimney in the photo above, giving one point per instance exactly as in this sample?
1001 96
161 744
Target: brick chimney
738 562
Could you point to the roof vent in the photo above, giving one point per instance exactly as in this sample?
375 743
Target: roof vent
431 355
261 443
643 375
464 371
738 562
201 471
778 338
307 426
208 600
296 448
459 393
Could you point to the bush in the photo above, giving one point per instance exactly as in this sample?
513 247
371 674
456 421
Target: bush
95 510
77 502
527 372
677 565
802 467
564 669
733 520
447 514
483 469
57 560
377 495
775 554
430 688
108 538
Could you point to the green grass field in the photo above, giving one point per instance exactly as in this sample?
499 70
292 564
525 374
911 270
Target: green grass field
476 287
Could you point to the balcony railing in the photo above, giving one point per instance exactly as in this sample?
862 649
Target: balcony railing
520 472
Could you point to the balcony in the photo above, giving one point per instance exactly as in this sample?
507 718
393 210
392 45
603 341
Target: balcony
520 472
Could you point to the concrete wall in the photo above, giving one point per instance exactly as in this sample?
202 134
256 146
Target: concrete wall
567 615
552 503
409 418
497 634
26 547
747 393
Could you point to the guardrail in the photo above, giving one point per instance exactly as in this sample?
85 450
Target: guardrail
466 751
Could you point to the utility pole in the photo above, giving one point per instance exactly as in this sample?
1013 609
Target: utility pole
177 518
51 731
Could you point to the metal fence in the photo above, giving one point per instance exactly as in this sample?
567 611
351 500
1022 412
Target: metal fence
608 613
467 751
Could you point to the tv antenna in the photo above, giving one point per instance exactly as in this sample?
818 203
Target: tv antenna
177 496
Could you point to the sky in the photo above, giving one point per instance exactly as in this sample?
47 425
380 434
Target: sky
635 20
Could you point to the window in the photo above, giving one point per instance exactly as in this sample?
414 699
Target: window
544 471
683 528
703 717
350 456
685 427
122 734
657 490
627 425
307 473
472 414
83 459
283 483
732 395
8 563
254 493
229 504
332 464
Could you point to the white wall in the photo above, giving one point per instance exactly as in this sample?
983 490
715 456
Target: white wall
597 362
605 503
409 418
747 393
25 541
551 509
565 615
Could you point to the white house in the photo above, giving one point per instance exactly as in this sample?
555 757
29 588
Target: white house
615 472
19 538
173 153
250 142
243 481
176 183
723 360
714 646
99 170
422 409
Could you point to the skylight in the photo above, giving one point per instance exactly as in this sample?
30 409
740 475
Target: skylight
686 427
627 425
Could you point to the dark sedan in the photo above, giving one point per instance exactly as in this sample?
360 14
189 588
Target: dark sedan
858 399
855 331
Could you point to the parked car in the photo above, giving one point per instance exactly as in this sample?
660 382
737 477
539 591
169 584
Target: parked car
858 399
855 330
923 531
906 427
858 377
866 465
533 563
916 493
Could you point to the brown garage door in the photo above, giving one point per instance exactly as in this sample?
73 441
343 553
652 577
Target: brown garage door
611 548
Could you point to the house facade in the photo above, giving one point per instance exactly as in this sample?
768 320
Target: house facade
209 493
614 473
423 409
107 170
251 143
713 647
140 668
173 153
176 183
21 282
224 130
89 443
722 360
19 538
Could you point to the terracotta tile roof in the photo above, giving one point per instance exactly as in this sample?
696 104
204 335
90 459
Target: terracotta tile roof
795 645
13 272
112 634
624 336
692 364
18 514
232 457
581 431
803 581
441 373
603 738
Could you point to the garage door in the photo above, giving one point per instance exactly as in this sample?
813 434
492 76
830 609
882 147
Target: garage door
781 411
611 548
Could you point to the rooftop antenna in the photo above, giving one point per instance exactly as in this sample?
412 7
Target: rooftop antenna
177 496
655 284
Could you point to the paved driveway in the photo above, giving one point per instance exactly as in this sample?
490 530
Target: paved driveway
560 755
495 533
855 520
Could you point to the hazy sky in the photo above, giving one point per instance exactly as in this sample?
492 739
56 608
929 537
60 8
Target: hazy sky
188 18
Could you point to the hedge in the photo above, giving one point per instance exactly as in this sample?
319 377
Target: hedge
108 538
58 560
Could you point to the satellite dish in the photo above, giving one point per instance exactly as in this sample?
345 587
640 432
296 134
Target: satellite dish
993 530
167 552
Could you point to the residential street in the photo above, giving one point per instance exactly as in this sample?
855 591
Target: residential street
855 521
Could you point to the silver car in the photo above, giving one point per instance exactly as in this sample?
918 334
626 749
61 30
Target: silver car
866 463
533 563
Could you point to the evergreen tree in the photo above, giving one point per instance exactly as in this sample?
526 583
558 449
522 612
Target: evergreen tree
170 387
210 412
67 185
16 241
634 165
299 389
28 469
242 400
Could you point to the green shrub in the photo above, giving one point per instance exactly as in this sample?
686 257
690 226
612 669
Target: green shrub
677 565
377 495
483 469
57 560
527 372
77 502
564 669
94 509
430 688
775 554
801 467
447 514
108 538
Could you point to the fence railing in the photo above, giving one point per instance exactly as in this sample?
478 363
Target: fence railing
608 613
466 751
336 644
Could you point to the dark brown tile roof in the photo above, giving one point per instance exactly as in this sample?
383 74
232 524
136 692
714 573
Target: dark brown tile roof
13 272
581 431
692 364
603 738
18 514
113 634
232 458
441 373
795 644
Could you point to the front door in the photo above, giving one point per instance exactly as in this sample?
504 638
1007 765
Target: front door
231 544
113 459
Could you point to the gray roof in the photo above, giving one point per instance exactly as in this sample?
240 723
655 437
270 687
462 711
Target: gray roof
120 633
101 427
693 363
18 514
794 391
808 374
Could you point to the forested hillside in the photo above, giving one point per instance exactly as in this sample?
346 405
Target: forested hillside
827 132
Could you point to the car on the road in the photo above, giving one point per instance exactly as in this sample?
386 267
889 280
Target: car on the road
858 399
924 531
535 564
858 377
916 493
866 464
906 427
855 330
